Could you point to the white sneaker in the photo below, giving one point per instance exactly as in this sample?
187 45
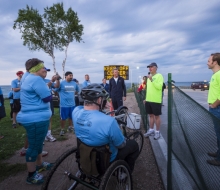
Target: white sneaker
70 128
50 138
62 132
149 133
157 135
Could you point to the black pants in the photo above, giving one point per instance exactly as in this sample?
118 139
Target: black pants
11 112
117 102
129 153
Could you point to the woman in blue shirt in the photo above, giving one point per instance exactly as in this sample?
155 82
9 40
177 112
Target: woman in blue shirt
34 115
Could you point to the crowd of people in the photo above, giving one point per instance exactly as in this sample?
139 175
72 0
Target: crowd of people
32 107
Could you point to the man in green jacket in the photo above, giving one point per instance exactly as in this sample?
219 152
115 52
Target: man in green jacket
153 100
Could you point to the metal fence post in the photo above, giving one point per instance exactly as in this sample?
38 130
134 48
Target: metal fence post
169 132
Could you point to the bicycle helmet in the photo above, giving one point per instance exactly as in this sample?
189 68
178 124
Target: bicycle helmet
93 92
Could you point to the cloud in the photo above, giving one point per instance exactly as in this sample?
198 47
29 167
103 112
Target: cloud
179 36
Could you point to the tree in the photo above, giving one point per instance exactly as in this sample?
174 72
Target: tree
55 29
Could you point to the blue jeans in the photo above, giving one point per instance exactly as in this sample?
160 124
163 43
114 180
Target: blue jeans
216 122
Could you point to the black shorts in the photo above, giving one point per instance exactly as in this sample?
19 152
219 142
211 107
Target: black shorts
153 108
16 105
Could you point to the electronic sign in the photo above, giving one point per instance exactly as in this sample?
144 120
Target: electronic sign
122 69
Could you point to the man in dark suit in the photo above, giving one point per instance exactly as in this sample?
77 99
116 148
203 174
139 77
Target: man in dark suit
117 89
106 86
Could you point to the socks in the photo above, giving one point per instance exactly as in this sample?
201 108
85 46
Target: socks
48 132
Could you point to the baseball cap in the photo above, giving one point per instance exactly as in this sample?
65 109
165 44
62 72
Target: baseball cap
46 69
152 64
20 73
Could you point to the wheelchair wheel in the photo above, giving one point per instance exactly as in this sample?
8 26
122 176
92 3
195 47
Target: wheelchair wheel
138 137
57 177
117 177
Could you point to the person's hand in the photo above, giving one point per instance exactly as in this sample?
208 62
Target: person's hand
54 78
144 101
124 98
150 77
212 106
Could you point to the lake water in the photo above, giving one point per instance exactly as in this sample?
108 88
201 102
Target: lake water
6 88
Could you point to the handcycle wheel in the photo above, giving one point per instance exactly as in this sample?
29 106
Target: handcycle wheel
57 178
117 177
138 137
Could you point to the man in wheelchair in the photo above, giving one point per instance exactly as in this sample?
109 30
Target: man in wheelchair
94 128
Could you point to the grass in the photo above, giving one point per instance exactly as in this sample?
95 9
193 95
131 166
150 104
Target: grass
14 140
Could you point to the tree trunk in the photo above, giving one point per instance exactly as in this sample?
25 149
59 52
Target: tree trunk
64 61
54 64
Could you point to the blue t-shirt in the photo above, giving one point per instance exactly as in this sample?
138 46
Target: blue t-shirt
16 84
33 109
67 93
52 85
94 128
10 94
24 76
86 83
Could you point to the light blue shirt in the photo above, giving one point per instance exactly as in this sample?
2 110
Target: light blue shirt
86 83
94 128
33 109
47 81
16 84
67 93
24 76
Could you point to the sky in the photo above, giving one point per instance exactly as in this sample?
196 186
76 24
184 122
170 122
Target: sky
178 35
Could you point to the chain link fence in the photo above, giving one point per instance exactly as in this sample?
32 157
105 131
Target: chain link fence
191 136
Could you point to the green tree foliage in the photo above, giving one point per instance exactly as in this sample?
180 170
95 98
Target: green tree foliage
55 29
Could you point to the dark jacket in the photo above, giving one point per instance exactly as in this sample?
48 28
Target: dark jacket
106 86
117 90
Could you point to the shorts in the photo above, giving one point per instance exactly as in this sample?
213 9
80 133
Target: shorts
52 107
153 108
36 133
16 105
66 112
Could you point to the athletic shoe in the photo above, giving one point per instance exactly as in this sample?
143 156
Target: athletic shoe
36 179
149 133
44 166
50 138
214 162
14 125
157 135
212 154
122 176
44 153
70 128
23 151
62 132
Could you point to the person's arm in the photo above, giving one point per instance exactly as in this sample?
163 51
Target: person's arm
14 86
110 88
124 89
42 90
215 104
77 89
158 83
116 135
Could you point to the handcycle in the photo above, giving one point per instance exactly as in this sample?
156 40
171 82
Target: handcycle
69 173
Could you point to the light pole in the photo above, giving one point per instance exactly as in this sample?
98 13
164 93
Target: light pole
131 75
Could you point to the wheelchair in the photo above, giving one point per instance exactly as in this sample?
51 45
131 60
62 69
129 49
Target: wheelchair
86 167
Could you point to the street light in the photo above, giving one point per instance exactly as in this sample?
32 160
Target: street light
131 75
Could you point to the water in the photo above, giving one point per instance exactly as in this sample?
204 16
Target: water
6 88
